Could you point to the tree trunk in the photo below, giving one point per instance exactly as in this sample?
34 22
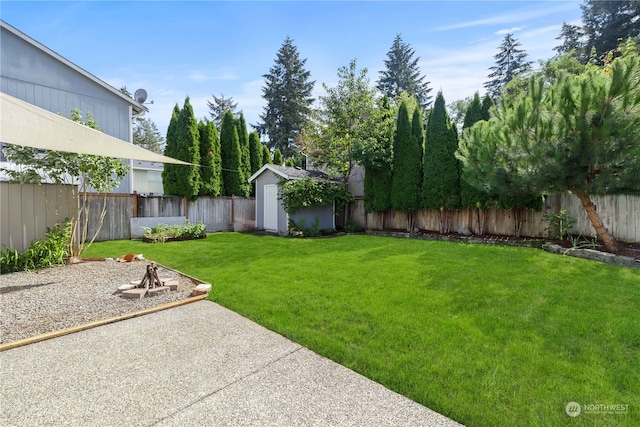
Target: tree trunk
608 240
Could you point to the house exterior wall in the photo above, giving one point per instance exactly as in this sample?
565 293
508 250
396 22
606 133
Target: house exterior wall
147 181
324 214
32 75
267 178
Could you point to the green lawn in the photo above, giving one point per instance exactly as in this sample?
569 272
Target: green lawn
486 335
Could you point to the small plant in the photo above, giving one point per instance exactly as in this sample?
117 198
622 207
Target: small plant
163 232
352 227
581 242
298 230
560 224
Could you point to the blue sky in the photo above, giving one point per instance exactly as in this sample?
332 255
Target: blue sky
200 48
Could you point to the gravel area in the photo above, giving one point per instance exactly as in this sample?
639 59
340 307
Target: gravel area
33 303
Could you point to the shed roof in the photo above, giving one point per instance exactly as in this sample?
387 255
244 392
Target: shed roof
288 172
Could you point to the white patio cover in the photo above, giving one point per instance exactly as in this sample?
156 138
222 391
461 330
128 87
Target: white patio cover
24 124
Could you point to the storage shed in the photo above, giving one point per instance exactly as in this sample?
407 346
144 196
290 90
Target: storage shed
270 214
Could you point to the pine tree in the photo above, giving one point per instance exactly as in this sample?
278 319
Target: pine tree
288 92
405 181
572 40
243 139
210 162
403 75
441 178
147 135
231 157
255 153
266 156
510 62
277 157
607 23
578 133
187 178
170 171
219 106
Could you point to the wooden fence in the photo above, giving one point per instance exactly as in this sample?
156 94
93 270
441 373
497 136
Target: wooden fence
620 214
26 210
217 213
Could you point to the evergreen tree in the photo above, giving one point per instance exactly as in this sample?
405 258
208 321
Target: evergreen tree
219 106
170 171
607 23
289 162
578 133
255 152
243 139
471 196
441 179
187 178
231 157
403 75
510 62
405 181
266 156
277 157
487 103
287 91
572 40
210 161
147 135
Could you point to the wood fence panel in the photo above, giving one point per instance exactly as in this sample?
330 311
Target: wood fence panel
215 213
619 213
26 210
116 224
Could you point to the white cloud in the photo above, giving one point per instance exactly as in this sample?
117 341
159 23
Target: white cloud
506 31
511 17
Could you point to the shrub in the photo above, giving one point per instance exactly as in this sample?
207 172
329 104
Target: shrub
163 232
352 227
49 252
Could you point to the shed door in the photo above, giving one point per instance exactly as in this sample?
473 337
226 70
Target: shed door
271 207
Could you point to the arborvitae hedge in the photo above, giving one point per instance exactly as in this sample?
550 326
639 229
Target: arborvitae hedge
210 171
441 179
406 165
232 174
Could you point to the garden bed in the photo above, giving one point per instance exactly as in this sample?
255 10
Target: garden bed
173 239
629 255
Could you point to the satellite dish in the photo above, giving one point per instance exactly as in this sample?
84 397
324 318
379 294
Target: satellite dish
140 95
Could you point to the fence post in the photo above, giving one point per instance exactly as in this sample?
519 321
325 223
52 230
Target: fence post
134 200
